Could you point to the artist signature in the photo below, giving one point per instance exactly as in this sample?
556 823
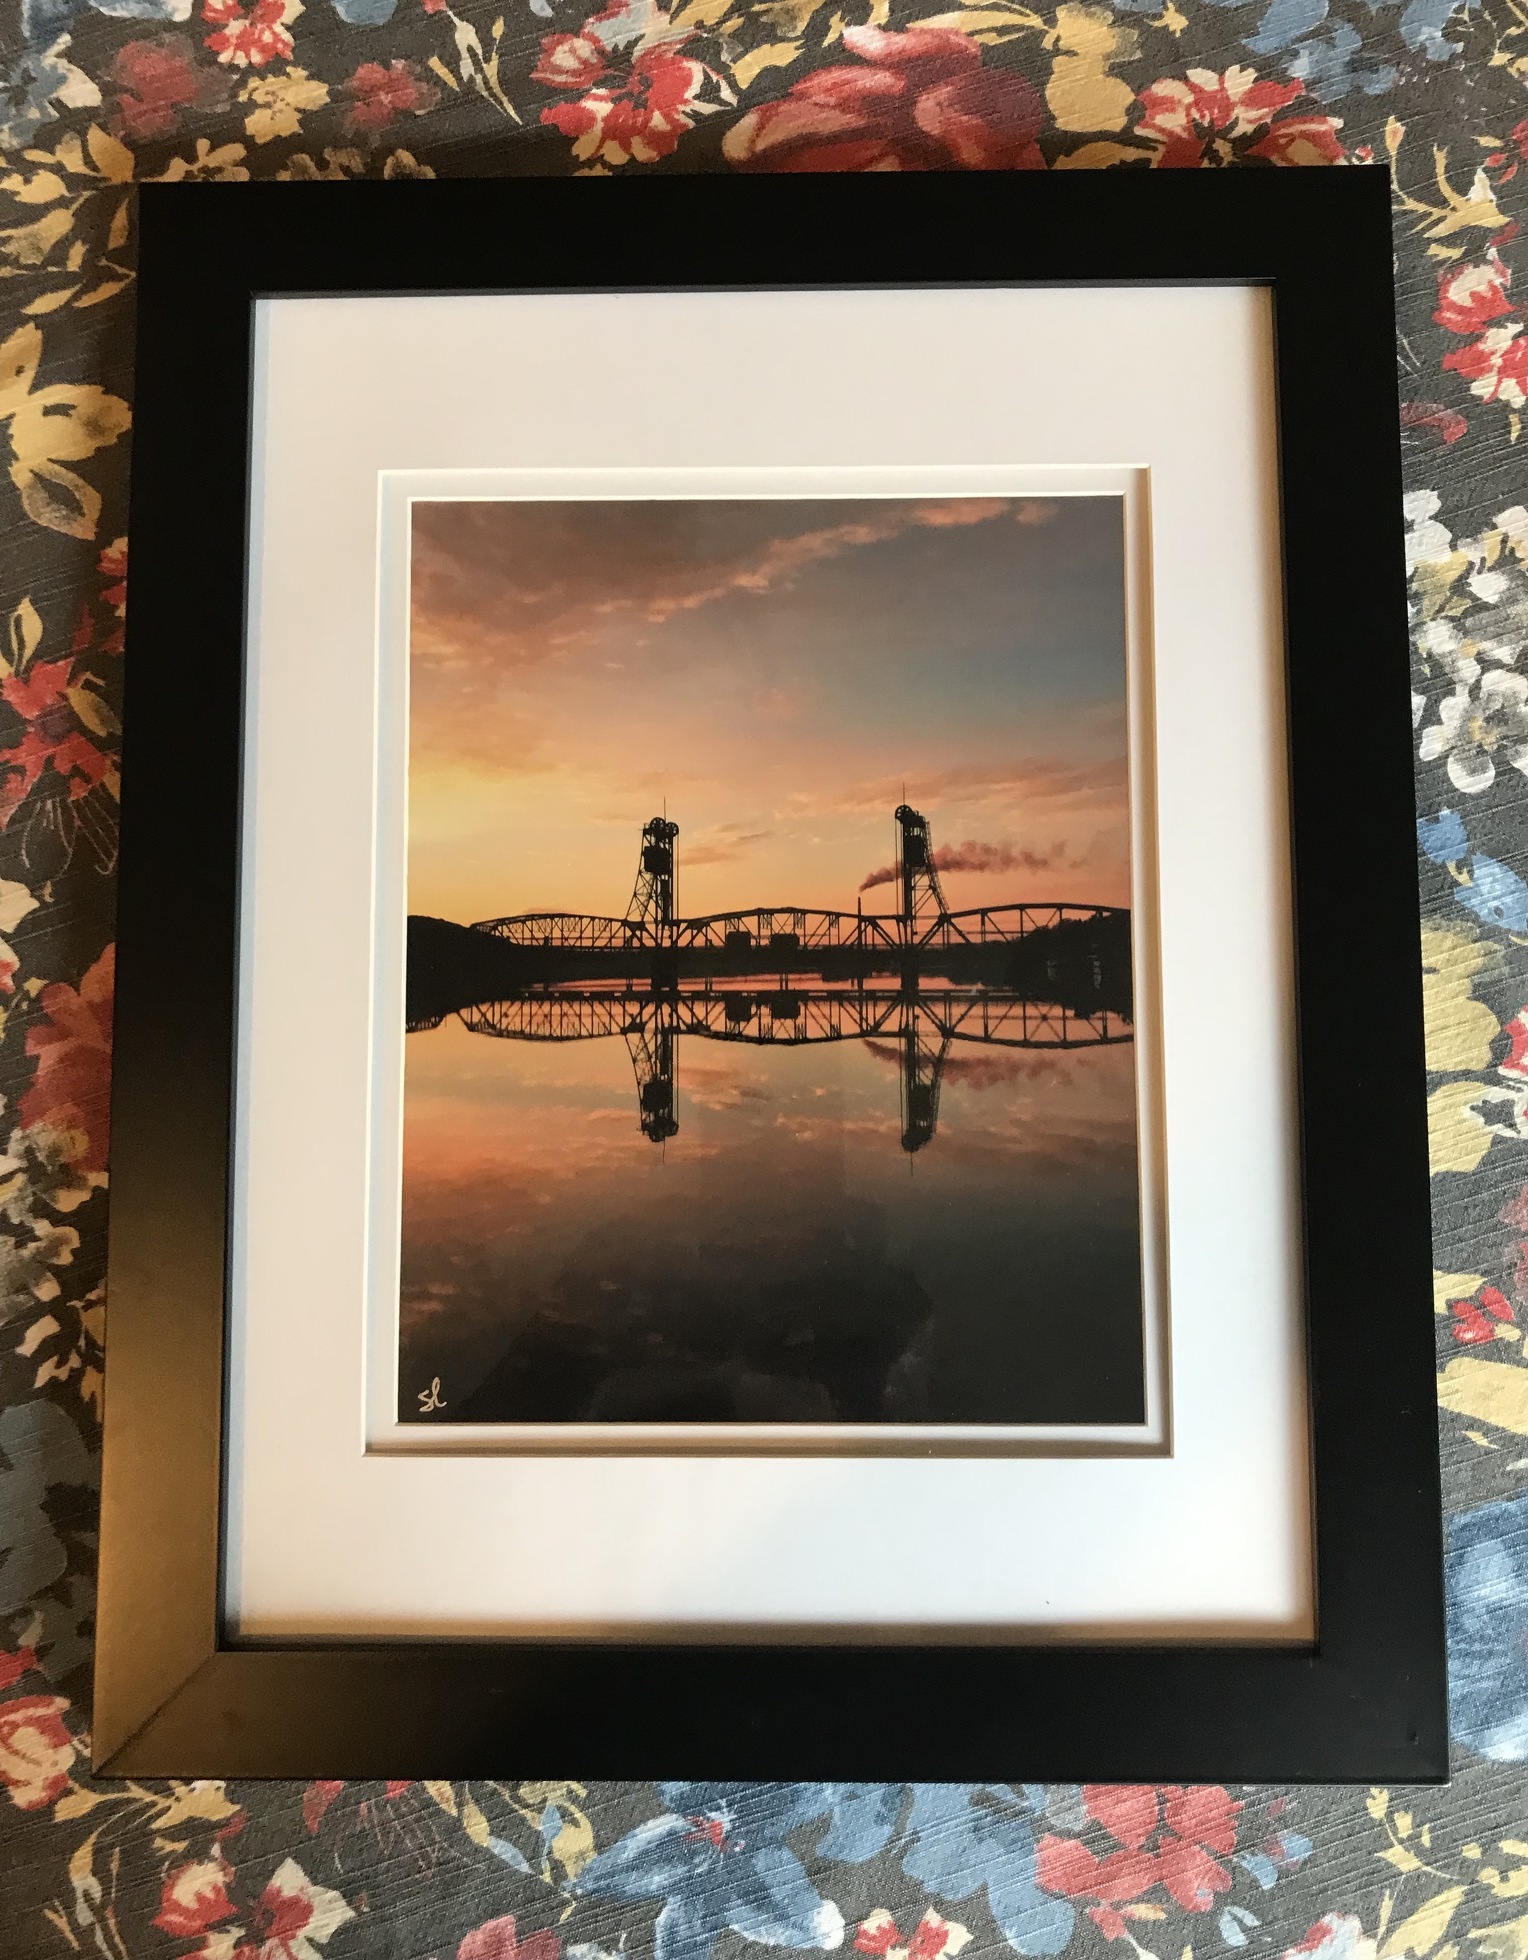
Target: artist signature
431 1399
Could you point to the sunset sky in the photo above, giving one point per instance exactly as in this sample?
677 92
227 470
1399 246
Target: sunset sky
775 673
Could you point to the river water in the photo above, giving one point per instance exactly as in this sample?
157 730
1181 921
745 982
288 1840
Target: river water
781 1256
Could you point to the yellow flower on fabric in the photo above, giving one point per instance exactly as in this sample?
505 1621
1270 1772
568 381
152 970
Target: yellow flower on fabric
49 428
1460 1029
281 101
1081 93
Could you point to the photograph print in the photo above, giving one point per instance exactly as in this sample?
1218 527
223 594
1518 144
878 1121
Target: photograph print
770 1009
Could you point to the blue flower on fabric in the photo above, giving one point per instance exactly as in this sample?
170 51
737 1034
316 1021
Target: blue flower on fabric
1331 66
1334 64
1285 1852
1495 894
720 1862
1485 1577
1443 838
1421 27
964 1836
32 87
42 19
1423 22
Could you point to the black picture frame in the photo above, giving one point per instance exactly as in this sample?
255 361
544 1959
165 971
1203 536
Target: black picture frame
1366 1700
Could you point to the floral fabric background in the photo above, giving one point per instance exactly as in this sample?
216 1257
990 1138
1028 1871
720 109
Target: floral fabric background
97 95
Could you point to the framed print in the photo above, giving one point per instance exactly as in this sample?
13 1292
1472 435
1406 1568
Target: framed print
740 1113
700 1196
689 1224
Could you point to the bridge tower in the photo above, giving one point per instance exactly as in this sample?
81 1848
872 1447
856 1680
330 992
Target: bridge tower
652 899
651 1039
922 900
923 1053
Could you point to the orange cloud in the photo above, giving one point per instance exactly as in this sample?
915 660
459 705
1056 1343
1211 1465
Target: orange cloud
722 843
1030 780
480 584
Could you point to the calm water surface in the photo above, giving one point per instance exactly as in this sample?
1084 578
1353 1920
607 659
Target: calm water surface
781 1257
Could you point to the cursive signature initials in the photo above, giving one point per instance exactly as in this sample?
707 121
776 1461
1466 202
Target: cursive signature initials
431 1398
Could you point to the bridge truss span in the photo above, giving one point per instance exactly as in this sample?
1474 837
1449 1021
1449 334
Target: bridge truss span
796 1017
793 928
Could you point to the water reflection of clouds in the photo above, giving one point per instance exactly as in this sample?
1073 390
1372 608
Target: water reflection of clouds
723 1085
785 1204
989 1071
567 1113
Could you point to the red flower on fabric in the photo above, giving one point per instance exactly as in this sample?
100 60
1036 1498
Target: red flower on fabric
195 1897
643 119
1514 1063
922 100
36 1750
578 61
320 1795
1203 1814
1506 163
1446 423
14 1665
496 1939
1193 1827
316 1800
1495 365
1205 118
1476 1320
709 1830
1337 1936
292 1917
72 1045
1470 297
570 60
1473 299
155 80
378 94
112 565
40 696
249 40
880 1936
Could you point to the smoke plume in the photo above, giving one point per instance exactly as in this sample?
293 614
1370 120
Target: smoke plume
975 856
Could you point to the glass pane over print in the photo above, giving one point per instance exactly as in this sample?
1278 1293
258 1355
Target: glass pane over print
769 1053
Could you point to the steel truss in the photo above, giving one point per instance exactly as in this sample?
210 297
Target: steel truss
794 1017
793 927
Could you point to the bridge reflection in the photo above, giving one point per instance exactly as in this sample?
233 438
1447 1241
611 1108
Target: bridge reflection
923 1025
1015 976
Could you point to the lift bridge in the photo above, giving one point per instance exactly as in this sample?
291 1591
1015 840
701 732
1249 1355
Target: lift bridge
1019 976
924 924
